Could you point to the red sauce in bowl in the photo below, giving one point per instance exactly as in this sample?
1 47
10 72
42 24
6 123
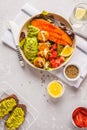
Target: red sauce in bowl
79 117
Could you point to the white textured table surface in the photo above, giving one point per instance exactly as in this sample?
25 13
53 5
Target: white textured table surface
31 84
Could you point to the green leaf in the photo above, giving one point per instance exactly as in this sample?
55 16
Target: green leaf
44 12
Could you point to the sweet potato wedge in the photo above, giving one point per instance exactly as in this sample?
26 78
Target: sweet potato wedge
56 34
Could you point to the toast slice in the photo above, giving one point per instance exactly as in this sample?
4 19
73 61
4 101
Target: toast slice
7 105
17 117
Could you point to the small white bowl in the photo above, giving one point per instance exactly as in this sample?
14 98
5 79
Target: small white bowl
74 113
59 95
70 71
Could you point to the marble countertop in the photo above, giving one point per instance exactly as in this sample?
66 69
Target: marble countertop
30 83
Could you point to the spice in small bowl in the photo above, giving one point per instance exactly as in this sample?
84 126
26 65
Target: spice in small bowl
79 117
72 72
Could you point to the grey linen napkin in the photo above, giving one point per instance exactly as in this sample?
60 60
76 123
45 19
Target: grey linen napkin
25 13
79 57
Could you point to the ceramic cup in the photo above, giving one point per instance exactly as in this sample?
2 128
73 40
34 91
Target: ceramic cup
55 89
79 117
72 72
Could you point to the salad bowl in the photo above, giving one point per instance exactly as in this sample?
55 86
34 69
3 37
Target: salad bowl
45 43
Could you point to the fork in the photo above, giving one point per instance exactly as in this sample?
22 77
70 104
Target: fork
15 33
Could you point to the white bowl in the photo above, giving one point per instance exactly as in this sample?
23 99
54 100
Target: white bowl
59 95
56 17
73 114
70 71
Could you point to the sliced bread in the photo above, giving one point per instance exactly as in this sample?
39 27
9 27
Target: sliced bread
7 105
16 118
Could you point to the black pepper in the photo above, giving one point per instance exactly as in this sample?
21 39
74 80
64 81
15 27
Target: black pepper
72 71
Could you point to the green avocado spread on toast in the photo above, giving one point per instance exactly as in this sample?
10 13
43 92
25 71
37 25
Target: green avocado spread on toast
15 119
6 106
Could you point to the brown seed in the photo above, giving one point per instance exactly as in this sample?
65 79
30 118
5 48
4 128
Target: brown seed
72 71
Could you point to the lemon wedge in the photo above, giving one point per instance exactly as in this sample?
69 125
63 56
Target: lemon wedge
55 89
67 51
80 13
